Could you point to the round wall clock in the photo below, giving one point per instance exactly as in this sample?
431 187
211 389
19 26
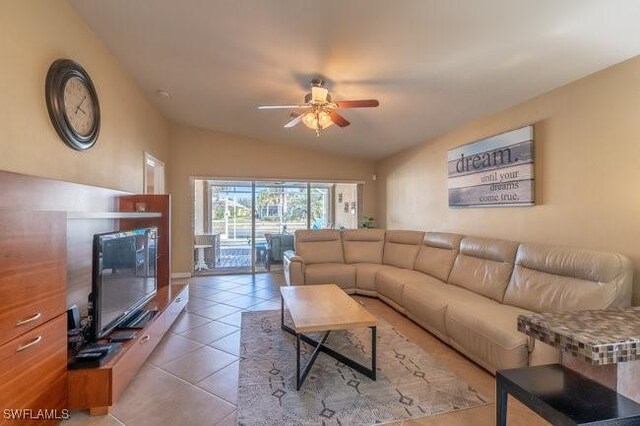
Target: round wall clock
73 104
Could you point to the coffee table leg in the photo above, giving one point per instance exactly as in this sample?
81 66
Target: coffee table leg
298 381
373 353
319 346
501 403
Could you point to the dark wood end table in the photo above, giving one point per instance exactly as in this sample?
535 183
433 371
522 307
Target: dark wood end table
563 397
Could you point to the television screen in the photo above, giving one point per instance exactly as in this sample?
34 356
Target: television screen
124 276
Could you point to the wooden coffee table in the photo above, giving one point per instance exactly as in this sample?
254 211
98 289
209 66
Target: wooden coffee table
318 308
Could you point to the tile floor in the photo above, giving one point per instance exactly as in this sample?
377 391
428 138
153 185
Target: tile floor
191 378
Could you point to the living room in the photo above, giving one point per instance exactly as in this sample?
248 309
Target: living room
424 105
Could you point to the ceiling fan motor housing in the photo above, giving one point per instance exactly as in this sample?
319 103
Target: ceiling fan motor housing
309 97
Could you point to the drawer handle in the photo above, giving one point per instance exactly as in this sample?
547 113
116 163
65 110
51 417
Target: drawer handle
28 320
28 345
145 339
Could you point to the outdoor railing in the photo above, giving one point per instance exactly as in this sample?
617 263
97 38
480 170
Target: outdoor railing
242 229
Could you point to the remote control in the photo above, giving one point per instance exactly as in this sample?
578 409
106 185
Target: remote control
102 348
88 356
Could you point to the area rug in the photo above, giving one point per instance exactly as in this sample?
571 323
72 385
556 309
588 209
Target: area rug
410 384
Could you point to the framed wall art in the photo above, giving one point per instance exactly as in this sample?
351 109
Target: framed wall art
493 172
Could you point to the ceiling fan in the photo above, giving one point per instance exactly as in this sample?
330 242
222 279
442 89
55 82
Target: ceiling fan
319 111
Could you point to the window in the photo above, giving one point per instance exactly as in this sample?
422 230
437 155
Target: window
269 211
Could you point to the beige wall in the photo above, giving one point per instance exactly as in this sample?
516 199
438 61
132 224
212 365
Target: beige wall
349 195
587 147
34 33
204 153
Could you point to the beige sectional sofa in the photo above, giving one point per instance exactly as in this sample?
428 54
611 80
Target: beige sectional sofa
467 291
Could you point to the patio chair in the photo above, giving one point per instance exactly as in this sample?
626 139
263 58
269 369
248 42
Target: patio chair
277 244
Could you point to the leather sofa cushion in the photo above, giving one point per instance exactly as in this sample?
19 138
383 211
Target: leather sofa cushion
489 249
344 276
401 248
366 275
484 266
314 235
319 246
390 282
558 279
426 302
363 245
487 332
437 254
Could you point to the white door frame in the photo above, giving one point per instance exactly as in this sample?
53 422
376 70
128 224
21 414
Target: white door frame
150 161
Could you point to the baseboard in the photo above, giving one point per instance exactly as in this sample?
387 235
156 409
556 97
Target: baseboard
181 275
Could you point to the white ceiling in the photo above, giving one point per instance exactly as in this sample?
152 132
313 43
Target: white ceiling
433 64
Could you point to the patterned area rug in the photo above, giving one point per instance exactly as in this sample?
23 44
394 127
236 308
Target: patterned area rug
410 383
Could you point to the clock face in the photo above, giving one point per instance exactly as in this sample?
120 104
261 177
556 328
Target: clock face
72 103
78 106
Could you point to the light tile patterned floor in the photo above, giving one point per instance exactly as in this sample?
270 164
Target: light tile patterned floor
192 376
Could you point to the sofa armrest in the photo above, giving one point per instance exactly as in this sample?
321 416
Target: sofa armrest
293 268
292 256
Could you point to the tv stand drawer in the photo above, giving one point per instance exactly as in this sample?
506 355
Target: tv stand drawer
33 369
135 355
33 284
177 305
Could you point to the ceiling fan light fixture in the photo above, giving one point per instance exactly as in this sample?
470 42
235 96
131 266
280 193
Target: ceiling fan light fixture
317 120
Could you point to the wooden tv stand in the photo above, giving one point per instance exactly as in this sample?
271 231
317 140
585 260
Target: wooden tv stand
97 389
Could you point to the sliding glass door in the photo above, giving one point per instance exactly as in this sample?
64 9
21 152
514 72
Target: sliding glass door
223 227
281 209
246 226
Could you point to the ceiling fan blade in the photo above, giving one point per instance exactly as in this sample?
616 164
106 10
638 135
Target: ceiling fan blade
338 119
282 106
295 120
362 103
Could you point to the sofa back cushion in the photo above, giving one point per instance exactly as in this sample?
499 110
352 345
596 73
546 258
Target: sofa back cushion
401 248
484 266
556 279
437 254
319 246
363 245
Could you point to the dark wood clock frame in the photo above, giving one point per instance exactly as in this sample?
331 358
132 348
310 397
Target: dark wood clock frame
59 73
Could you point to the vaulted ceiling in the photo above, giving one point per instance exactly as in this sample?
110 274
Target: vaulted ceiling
433 64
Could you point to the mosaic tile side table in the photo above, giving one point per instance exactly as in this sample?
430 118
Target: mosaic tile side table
603 345
598 381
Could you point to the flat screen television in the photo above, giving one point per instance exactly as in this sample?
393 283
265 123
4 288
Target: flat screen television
124 277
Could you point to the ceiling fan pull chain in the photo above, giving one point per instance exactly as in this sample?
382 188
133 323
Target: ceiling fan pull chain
319 124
